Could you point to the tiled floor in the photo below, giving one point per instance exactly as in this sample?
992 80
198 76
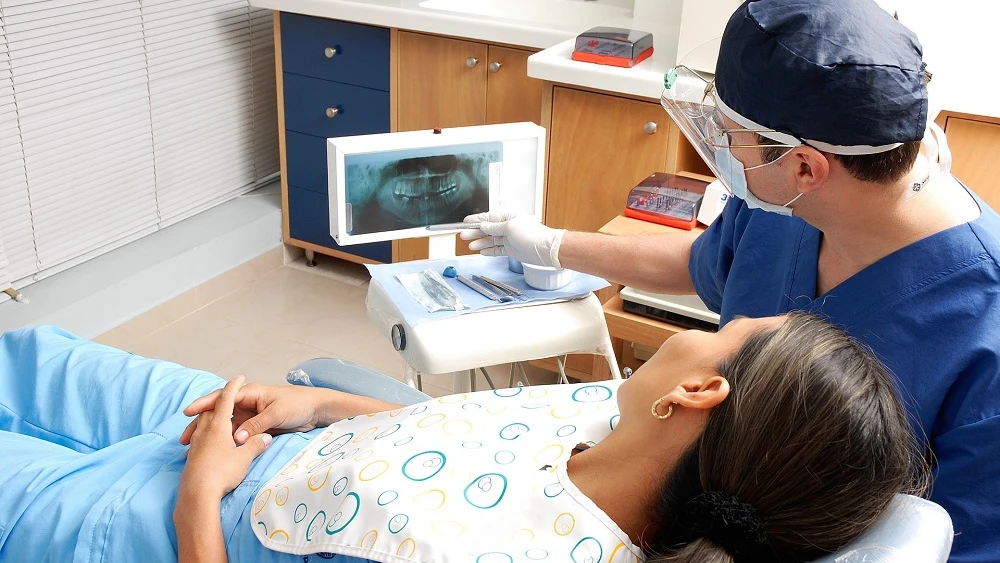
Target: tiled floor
267 321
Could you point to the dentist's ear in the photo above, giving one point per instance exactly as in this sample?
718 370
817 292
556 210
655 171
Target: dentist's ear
812 168
700 394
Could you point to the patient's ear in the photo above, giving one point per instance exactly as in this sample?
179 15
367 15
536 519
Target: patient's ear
702 394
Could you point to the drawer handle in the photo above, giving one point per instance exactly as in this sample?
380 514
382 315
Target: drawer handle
495 66
650 127
332 112
471 62
331 52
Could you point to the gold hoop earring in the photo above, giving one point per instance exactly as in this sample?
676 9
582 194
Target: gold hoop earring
656 409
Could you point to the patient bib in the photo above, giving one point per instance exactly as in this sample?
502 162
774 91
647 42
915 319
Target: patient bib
478 477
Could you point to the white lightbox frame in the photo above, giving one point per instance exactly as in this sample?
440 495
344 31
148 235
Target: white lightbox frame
520 187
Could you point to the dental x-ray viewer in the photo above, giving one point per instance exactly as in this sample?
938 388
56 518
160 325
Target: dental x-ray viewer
816 121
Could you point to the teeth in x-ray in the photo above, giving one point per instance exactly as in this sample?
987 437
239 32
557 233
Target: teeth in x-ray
426 198
421 186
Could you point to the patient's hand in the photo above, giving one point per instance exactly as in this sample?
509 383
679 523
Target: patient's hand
215 463
277 409
264 408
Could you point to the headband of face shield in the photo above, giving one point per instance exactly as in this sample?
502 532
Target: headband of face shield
691 101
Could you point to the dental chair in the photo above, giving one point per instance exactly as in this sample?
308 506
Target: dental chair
913 530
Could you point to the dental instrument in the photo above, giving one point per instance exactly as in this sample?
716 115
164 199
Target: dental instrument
508 289
452 226
484 291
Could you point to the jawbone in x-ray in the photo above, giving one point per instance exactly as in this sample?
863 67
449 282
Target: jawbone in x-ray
418 187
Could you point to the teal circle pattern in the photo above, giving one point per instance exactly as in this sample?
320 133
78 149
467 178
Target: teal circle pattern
587 550
386 497
339 486
513 431
353 508
424 465
388 431
336 444
397 523
314 526
486 491
301 511
592 394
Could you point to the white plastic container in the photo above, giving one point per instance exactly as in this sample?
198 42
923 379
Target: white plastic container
545 278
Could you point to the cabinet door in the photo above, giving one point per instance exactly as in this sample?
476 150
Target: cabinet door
511 96
601 146
437 85
974 146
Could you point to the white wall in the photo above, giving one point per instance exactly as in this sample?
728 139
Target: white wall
960 47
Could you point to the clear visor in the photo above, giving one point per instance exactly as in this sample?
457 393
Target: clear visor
691 101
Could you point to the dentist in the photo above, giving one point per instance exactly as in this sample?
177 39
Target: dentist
816 121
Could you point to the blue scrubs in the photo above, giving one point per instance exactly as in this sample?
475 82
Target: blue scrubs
931 313
89 456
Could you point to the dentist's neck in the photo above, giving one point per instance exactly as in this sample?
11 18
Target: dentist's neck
862 222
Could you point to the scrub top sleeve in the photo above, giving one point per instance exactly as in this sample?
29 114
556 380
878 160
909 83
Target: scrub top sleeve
713 251
967 485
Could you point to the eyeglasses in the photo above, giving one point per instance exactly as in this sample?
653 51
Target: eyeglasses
706 116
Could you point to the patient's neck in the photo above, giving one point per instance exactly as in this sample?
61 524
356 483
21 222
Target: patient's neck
623 477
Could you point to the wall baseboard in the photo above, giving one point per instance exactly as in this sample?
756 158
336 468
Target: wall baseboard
96 296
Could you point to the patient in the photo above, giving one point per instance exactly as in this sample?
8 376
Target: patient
774 439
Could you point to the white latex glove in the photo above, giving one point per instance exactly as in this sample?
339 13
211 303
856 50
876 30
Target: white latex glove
523 238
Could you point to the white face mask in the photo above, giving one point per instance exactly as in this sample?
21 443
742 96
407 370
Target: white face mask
733 176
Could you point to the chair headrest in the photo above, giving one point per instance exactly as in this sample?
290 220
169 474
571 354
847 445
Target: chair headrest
912 529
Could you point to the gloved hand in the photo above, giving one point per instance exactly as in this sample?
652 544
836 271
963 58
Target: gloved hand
523 238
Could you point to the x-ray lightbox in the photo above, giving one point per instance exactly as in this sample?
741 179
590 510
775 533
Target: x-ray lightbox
395 185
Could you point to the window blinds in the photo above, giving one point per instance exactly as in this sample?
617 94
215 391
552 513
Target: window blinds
120 117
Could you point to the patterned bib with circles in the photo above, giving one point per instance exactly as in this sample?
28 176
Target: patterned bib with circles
479 477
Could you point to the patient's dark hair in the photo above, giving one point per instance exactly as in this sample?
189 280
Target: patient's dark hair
812 440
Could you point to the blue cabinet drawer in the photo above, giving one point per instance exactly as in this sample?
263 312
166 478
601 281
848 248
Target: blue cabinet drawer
360 53
309 220
306 161
360 111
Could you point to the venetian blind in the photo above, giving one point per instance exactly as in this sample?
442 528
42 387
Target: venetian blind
18 258
131 115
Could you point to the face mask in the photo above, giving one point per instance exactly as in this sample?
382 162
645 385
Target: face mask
734 177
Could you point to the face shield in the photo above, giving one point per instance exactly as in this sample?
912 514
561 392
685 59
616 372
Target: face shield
691 100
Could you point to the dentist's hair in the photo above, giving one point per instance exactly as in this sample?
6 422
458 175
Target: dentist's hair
805 454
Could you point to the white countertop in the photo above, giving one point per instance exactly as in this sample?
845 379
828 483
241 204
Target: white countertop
530 23
961 83
645 79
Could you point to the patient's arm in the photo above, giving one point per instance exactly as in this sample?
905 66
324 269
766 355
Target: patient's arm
199 530
215 466
276 409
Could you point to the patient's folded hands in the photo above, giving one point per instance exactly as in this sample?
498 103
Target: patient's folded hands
264 408
215 463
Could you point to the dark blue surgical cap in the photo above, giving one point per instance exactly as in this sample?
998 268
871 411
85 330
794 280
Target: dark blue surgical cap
842 72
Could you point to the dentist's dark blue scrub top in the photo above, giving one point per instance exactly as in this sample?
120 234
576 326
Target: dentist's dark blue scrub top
931 313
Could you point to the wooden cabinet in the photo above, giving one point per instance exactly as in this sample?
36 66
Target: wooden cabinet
445 82
601 146
442 82
511 96
974 143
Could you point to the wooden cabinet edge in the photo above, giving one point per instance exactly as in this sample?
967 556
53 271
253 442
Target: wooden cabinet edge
329 251
945 115
279 84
